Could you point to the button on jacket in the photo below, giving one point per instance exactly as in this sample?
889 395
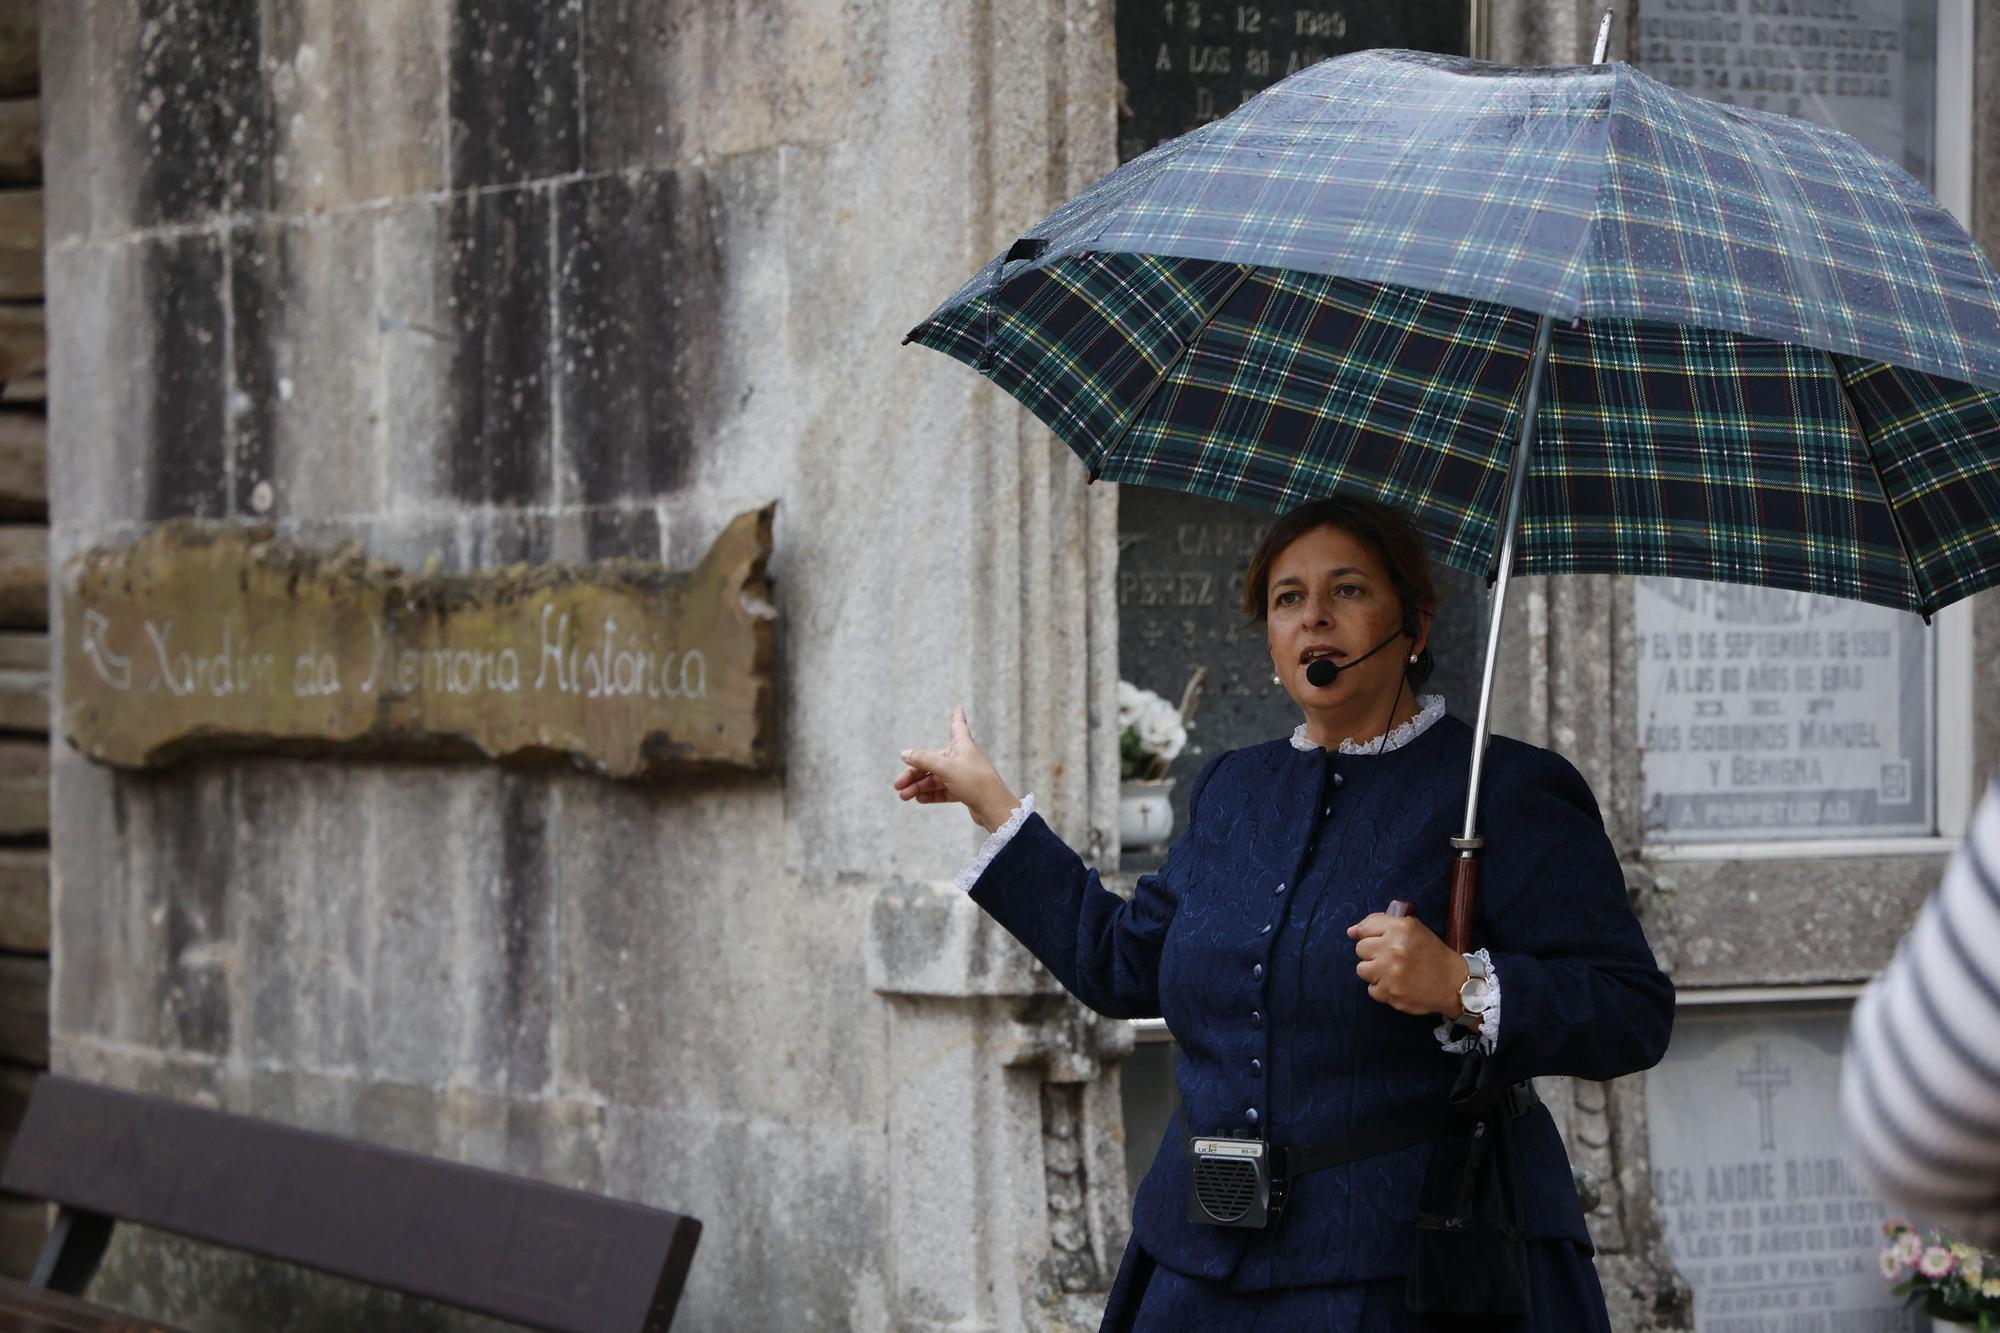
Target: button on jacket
1240 943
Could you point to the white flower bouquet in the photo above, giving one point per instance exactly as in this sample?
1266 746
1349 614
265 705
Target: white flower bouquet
1151 733
1950 1281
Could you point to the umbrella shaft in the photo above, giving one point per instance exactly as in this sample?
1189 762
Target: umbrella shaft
1517 485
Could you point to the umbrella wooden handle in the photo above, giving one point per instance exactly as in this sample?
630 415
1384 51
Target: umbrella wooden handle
1464 889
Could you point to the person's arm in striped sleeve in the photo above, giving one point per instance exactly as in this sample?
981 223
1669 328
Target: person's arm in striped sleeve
1920 1089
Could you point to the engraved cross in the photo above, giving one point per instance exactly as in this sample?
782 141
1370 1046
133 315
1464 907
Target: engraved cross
1764 1079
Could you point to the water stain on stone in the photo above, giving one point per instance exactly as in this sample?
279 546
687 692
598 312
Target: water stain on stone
197 110
191 824
521 1028
612 533
499 263
259 277
640 294
513 91
182 279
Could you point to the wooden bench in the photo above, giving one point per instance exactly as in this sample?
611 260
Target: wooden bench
519 1250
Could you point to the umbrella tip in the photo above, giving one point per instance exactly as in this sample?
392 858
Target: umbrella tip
1603 37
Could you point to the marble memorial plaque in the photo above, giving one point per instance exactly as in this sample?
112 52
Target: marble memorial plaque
1865 67
1766 1214
1767 715
1777 716
1183 63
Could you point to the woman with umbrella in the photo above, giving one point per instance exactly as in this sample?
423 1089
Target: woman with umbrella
1568 321
1308 1018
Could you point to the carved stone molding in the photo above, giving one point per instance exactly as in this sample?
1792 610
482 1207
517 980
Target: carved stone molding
998 1069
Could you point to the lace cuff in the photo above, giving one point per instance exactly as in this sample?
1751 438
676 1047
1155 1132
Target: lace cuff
1457 1040
995 841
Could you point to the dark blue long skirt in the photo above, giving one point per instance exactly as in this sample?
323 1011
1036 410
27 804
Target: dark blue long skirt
1564 1296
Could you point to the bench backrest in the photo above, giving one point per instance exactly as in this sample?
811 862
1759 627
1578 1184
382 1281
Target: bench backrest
517 1249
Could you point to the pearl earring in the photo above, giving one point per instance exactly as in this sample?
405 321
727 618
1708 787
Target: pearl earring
1275 680
1413 659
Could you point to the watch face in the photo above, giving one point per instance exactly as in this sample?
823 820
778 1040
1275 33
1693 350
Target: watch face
1474 994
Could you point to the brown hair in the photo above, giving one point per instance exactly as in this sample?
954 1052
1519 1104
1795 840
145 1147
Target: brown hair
1385 530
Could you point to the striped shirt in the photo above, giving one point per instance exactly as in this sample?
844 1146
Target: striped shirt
1920 1088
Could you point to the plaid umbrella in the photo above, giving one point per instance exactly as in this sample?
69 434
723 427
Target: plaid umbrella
1570 320
1772 355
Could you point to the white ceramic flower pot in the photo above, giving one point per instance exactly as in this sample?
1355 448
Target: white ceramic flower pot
1145 814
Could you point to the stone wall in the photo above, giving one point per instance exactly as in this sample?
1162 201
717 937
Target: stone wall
475 282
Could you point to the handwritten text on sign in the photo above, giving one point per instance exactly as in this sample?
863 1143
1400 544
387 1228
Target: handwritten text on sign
1772 714
224 637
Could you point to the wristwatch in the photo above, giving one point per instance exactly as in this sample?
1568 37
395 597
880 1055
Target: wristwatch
1476 995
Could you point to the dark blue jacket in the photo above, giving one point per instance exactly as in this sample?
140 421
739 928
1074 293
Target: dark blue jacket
1240 942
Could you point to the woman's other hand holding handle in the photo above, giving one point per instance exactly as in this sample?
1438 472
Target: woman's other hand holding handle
959 772
1404 965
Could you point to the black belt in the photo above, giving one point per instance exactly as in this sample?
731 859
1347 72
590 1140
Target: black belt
1406 1131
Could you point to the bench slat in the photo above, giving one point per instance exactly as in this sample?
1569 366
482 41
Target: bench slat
518 1249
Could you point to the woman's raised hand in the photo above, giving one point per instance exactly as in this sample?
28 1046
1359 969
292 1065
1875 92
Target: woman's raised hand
959 772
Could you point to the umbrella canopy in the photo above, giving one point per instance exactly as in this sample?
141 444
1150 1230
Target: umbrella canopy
1774 358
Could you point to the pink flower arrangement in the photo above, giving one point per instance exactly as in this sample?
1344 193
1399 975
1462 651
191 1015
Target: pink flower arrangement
1936 1263
1949 1280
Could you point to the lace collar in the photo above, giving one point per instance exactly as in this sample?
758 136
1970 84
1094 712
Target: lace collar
1430 707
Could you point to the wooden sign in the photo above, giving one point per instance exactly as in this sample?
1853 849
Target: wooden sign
203 637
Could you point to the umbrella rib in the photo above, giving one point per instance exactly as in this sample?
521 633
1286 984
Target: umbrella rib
1146 398
1924 607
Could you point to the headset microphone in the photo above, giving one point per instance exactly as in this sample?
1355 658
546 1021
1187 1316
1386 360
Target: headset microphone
1324 671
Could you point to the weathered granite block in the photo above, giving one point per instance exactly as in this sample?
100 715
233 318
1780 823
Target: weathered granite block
419 331
305 362
358 100
507 932
514 90
417 1009
608 532
186 104
498 312
639 292
668 82
66 124
800 1194
138 365
1814 920
87 883
186 326
668 954
191 827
